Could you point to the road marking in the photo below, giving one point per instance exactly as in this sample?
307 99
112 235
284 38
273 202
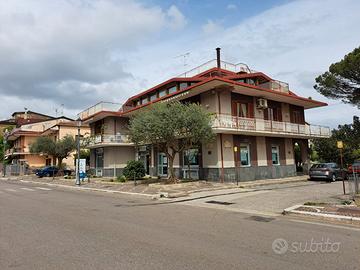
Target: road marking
326 225
28 189
43 188
10 189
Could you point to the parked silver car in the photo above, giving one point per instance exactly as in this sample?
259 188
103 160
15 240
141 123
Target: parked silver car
326 171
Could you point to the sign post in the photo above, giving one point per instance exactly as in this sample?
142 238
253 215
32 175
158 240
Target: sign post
82 168
340 146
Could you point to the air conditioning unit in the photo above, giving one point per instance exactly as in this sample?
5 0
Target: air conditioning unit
261 103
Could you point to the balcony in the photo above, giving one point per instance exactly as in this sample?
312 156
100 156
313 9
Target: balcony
15 151
240 67
251 126
99 107
110 140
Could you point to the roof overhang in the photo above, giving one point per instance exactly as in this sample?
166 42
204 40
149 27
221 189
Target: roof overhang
237 87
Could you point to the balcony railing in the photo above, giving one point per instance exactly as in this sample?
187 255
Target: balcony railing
223 121
240 67
110 139
101 106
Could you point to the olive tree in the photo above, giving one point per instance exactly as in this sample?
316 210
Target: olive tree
59 149
172 128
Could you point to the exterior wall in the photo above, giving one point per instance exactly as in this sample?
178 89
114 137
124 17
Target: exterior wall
73 131
209 101
115 159
261 151
35 161
260 155
285 112
289 152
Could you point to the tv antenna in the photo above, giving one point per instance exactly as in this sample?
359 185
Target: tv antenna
184 57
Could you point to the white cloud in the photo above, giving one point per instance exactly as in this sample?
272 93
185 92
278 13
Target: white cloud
212 27
176 19
231 7
73 52
78 54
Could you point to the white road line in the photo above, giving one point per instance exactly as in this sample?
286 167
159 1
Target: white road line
10 189
43 188
324 224
27 189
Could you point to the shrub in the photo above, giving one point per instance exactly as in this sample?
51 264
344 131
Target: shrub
121 179
134 168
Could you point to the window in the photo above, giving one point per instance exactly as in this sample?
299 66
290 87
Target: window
144 100
172 89
153 97
274 114
241 110
183 85
162 93
275 155
244 155
191 156
138 102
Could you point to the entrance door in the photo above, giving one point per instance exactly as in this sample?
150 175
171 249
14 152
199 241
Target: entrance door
145 159
162 164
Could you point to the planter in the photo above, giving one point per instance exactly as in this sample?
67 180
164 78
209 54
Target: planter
357 199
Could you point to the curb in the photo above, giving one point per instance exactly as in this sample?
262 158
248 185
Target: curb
152 196
291 210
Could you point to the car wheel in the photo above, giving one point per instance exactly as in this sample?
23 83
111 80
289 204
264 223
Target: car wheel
48 175
333 178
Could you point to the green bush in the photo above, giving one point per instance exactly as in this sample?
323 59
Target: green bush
134 168
121 179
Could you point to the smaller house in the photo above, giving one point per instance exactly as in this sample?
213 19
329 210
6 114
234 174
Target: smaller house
29 127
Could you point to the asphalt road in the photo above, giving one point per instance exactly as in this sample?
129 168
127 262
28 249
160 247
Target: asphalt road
60 229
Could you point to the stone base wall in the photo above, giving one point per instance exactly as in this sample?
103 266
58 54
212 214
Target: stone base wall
248 173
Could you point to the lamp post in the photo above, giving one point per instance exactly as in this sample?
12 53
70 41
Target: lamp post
78 154
6 133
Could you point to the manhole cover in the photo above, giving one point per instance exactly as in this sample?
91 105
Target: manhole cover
218 202
260 218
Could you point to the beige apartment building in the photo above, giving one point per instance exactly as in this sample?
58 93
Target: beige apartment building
29 129
257 121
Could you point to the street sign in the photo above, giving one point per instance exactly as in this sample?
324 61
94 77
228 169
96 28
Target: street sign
82 168
340 144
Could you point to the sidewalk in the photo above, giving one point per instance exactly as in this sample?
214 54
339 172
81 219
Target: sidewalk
157 190
348 214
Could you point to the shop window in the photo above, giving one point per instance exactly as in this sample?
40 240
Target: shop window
275 156
191 156
245 155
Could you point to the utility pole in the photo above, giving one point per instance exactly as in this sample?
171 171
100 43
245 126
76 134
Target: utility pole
6 133
78 183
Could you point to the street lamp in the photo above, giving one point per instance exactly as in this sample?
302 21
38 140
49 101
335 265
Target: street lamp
78 153
6 133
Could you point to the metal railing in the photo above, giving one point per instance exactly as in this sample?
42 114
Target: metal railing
101 106
110 139
240 67
261 125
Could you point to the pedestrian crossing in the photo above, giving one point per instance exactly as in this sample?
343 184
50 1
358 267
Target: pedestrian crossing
23 190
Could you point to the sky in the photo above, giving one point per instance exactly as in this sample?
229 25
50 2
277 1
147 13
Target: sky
67 55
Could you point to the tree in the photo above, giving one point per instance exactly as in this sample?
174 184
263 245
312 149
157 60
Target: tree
342 81
58 149
172 128
350 135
